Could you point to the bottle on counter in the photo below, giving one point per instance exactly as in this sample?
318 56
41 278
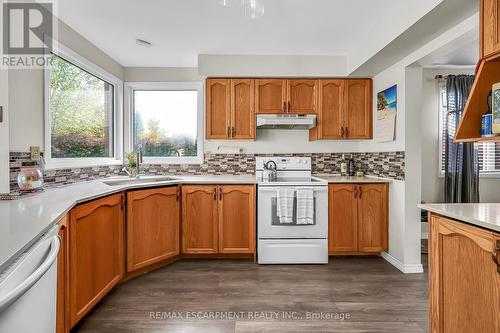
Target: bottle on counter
352 167
343 166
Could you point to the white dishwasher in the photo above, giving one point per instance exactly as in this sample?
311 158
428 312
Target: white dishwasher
28 289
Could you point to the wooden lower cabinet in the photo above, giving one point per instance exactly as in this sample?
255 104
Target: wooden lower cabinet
218 219
152 226
357 218
96 257
464 279
62 307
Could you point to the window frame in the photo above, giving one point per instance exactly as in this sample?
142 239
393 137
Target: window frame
441 172
131 87
93 69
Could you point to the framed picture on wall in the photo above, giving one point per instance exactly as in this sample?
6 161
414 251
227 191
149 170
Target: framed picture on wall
387 105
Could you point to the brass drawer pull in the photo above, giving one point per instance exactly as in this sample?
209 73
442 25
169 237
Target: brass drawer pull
342 132
496 254
355 192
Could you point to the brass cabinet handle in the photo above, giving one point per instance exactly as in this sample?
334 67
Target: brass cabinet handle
220 193
496 254
233 132
228 131
284 107
177 193
342 132
215 193
346 132
355 192
360 192
289 106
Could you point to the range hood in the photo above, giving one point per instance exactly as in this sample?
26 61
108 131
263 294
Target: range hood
286 121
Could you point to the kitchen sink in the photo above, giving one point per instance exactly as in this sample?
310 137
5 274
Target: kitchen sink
144 180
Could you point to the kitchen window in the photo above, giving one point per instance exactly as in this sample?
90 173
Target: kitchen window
488 152
166 120
82 122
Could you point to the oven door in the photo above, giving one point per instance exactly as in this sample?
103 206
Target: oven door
268 222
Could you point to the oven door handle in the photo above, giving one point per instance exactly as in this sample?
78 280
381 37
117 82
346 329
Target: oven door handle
274 189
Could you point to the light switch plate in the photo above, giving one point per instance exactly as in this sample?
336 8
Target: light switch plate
35 153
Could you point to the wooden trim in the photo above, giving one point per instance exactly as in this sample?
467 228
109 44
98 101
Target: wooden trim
62 303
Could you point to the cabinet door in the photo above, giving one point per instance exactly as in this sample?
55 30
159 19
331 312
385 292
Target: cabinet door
342 219
152 226
218 104
358 109
270 96
199 219
242 109
96 252
302 96
62 324
237 219
372 217
490 26
464 281
330 109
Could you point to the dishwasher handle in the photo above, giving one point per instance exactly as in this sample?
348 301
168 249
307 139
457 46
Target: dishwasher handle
25 285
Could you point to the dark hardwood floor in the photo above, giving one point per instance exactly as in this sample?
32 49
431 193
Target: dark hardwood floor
376 296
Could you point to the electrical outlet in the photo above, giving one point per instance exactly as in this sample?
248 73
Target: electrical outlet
35 153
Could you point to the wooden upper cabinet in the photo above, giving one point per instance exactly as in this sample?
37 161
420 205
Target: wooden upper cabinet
343 219
97 262
242 109
357 110
490 27
329 121
372 217
302 96
270 96
199 219
464 280
218 104
237 219
152 226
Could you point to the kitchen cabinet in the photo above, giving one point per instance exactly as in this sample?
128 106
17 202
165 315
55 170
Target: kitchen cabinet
270 96
199 216
152 226
96 257
464 278
286 96
242 109
302 96
218 105
490 27
62 304
358 218
236 219
218 219
230 109
344 110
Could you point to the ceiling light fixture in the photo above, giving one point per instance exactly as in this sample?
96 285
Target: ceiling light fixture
142 42
252 9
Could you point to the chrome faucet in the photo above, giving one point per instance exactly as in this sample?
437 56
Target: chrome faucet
138 161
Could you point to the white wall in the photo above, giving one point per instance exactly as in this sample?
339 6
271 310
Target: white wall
26 87
432 183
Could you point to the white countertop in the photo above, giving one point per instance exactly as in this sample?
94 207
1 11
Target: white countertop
349 179
485 215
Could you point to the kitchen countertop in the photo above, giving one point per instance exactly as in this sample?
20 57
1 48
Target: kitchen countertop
349 179
23 220
485 215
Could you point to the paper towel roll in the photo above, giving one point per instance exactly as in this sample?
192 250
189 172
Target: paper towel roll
228 150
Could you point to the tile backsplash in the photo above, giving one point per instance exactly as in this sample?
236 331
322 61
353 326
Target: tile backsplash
382 164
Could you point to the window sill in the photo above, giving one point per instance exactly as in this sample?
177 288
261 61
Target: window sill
73 163
493 175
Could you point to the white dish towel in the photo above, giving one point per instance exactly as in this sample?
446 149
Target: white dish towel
284 204
305 205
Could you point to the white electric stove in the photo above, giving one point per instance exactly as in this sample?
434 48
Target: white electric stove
291 243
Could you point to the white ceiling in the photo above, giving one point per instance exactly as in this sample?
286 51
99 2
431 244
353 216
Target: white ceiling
180 30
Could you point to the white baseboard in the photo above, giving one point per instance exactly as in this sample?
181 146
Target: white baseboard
424 235
407 269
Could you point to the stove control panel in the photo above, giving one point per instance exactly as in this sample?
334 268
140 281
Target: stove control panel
285 162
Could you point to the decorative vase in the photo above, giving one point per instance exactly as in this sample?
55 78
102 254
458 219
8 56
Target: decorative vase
30 179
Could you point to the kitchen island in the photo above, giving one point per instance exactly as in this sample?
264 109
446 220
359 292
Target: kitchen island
464 270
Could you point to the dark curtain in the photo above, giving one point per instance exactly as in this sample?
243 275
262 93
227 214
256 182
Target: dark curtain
461 182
